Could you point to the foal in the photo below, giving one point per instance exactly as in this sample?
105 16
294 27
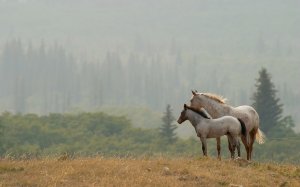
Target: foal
214 128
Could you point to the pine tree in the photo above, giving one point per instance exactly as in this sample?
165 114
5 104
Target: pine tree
167 131
266 103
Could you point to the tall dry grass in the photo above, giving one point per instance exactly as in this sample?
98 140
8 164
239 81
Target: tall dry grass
152 171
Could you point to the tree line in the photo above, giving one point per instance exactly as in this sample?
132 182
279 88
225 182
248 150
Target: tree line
84 134
46 78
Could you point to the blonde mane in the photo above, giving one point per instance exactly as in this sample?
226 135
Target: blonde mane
215 97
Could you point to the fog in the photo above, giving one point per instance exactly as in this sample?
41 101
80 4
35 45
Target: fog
64 56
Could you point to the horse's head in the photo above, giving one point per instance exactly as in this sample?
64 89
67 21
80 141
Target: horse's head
182 116
196 100
201 100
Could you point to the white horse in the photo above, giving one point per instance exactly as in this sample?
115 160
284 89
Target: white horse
214 128
217 107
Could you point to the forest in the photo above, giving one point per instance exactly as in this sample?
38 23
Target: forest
44 79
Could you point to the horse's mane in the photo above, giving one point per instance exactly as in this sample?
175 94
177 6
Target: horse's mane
198 112
215 97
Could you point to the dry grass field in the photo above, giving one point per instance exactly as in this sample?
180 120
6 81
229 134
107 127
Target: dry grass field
156 171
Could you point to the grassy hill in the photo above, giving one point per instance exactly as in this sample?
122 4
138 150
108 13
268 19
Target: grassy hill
147 171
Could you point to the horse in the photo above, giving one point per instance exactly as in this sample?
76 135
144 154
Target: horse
217 107
206 127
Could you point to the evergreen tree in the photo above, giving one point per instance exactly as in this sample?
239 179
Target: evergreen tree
265 102
167 131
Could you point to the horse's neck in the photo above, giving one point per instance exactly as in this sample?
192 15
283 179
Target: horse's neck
216 109
194 118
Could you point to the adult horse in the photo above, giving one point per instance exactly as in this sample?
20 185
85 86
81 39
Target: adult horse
216 106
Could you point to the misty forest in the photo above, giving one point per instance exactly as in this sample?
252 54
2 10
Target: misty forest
111 77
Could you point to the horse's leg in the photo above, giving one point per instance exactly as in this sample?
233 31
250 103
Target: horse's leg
235 144
244 140
219 147
204 146
232 141
229 144
252 139
238 147
233 151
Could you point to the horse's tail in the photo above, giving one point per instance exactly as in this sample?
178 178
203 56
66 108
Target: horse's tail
260 137
243 126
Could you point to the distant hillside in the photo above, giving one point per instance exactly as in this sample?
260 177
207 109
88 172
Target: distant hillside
138 116
88 134
147 118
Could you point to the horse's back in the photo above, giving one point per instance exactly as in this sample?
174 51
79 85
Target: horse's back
227 119
218 127
245 108
248 115
229 123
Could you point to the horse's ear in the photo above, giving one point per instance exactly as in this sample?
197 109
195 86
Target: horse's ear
194 92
